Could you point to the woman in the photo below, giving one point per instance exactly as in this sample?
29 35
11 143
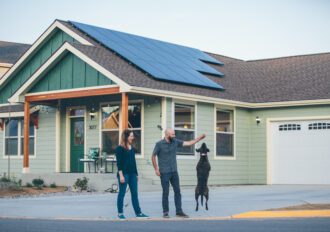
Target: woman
127 174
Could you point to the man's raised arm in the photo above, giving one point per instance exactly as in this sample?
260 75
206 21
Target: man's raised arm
192 142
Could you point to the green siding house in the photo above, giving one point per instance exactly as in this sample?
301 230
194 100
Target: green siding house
268 122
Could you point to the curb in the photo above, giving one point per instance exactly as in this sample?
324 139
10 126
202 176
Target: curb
283 214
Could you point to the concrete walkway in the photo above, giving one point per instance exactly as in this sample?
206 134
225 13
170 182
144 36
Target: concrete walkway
224 202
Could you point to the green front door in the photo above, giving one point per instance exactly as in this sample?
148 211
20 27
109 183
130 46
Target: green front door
77 135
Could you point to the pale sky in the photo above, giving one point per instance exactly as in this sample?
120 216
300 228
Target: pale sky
249 29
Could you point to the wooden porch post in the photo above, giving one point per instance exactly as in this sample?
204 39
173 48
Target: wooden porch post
26 136
124 111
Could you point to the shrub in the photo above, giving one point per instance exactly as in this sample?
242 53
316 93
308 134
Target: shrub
4 178
29 185
81 183
38 183
53 185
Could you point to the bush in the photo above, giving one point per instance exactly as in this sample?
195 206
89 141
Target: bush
53 185
81 184
4 178
38 183
29 185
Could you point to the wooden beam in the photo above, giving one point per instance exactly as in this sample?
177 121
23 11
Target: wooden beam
124 111
26 136
72 94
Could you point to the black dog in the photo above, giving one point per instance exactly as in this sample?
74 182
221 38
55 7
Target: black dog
203 169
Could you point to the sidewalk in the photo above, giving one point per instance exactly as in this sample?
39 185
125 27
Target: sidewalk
224 203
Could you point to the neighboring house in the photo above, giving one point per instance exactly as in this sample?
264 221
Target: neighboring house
266 121
9 54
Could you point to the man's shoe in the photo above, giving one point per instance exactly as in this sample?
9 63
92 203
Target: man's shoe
182 215
121 217
165 215
142 216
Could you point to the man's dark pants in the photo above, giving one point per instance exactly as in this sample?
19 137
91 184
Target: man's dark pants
166 179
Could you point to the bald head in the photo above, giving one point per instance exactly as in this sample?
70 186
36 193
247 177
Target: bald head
169 133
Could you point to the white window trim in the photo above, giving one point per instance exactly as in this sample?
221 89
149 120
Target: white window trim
19 137
141 101
194 104
219 108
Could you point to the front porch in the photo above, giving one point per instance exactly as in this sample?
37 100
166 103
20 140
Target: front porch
72 123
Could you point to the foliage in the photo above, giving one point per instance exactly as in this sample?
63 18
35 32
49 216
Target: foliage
81 184
38 182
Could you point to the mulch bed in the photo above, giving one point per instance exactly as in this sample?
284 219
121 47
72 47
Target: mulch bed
25 191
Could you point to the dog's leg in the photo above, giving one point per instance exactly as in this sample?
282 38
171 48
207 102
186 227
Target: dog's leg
196 198
207 198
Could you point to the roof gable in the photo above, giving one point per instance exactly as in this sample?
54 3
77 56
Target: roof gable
70 72
36 55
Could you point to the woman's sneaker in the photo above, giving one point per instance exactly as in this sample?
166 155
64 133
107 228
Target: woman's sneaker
121 217
165 215
142 215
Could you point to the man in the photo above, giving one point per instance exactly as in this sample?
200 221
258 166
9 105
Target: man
165 150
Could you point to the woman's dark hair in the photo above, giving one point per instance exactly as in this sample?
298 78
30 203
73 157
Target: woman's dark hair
124 138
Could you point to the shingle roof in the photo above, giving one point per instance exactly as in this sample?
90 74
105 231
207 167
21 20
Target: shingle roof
12 108
295 78
10 52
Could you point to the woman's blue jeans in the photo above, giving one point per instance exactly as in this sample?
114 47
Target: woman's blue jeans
132 181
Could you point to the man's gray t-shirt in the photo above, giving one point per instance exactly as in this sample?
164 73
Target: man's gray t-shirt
166 153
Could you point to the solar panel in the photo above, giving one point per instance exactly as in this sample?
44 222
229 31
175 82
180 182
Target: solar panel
162 60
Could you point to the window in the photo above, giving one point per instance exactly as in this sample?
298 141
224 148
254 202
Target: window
224 133
319 126
110 126
14 138
134 123
289 127
184 126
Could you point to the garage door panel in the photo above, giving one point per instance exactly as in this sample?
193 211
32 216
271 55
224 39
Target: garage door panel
300 152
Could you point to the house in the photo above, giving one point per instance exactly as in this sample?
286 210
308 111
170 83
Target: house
266 121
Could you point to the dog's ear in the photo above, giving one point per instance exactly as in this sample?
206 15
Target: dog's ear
207 150
198 150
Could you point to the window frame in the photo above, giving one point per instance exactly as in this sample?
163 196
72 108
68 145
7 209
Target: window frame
19 143
141 101
188 103
224 109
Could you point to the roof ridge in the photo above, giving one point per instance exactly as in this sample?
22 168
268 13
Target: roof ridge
3 41
285 57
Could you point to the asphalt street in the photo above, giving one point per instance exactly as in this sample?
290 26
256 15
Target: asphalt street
290 225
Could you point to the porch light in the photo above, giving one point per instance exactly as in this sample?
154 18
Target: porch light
92 114
258 120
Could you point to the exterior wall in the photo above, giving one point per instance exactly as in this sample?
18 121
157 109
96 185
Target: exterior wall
33 63
223 171
3 70
258 141
44 161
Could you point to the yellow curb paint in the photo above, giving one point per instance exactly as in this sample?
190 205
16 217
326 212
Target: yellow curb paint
283 214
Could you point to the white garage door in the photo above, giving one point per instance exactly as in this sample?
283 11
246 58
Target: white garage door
300 152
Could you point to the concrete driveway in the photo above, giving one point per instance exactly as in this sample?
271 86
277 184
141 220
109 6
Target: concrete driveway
224 202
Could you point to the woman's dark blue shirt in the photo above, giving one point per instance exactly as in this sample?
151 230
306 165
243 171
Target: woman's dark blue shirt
126 160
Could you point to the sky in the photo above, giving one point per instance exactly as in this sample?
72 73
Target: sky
248 30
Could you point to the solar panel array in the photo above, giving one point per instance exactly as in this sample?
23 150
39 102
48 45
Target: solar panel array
162 60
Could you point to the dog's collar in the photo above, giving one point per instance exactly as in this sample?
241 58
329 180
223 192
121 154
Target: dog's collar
203 154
